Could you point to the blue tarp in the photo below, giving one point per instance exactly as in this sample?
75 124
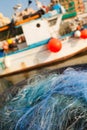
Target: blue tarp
57 7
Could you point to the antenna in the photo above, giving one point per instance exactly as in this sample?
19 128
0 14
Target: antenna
29 2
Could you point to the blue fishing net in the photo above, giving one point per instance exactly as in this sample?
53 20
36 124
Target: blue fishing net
53 102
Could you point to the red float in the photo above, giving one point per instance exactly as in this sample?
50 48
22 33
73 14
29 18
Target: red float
54 45
84 34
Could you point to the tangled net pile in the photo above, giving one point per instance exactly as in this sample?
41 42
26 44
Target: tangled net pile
58 102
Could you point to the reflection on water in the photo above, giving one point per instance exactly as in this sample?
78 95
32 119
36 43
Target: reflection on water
55 100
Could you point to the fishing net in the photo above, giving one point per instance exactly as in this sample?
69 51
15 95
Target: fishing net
55 102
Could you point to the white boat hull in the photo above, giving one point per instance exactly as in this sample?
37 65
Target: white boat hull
40 56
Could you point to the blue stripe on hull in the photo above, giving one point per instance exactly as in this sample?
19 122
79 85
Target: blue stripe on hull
34 45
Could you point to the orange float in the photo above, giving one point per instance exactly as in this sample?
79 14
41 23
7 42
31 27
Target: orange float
54 45
5 47
5 43
84 34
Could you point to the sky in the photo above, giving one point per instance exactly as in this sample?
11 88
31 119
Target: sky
6 6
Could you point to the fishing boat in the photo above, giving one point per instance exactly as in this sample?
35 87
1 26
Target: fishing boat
43 45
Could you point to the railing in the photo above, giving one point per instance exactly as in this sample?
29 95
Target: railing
2 65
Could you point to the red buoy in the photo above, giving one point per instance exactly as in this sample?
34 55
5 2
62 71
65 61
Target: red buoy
54 45
84 34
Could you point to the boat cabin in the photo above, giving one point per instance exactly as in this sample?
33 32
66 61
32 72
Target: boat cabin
35 33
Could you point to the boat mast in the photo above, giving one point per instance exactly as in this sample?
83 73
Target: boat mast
14 18
16 8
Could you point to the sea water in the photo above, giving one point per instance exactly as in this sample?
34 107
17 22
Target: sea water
53 101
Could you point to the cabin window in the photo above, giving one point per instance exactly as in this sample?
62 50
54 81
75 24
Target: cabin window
38 25
52 22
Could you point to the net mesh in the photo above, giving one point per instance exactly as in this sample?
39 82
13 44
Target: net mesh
54 102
